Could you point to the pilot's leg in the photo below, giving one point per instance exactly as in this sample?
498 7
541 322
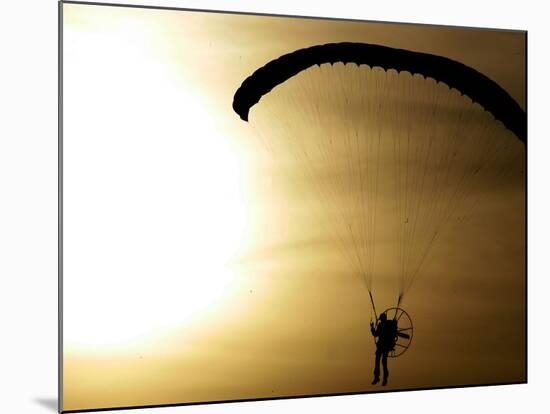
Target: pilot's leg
377 357
385 367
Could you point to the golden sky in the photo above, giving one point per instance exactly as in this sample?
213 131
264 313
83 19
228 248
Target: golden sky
196 268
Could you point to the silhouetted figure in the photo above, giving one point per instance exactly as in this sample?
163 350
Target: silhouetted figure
385 331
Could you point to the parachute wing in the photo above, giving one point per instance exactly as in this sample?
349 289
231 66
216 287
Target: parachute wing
381 135
456 75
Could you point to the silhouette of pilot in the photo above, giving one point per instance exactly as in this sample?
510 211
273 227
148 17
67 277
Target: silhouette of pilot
385 331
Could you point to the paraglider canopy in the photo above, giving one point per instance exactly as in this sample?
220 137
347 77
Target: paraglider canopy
456 75
385 135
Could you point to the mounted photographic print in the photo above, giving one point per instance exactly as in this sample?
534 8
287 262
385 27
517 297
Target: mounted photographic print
257 207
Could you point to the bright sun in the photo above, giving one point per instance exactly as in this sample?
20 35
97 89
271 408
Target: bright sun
153 206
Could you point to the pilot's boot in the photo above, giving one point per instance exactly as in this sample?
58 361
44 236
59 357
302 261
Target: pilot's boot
376 380
385 381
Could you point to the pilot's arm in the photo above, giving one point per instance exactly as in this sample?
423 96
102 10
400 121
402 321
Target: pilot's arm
374 331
